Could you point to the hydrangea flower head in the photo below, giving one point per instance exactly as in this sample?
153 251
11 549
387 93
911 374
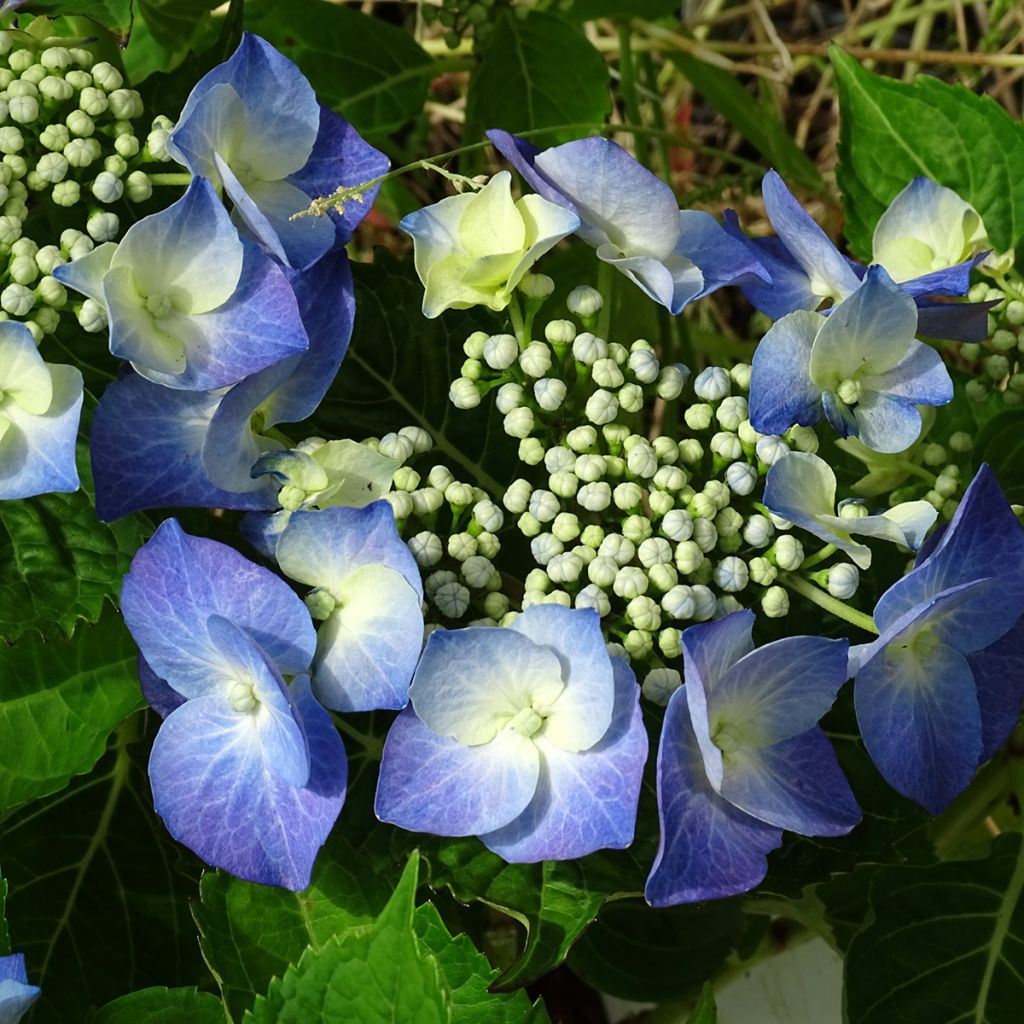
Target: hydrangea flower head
941 687
369 594
473 249
247 769
253 127
40 404
801 487
631 217
861 368
190 304
741 758
543 720
16 994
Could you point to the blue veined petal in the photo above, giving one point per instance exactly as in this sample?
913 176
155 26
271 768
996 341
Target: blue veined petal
920 377
178 581
582 714
672 287
218 796
37 452
781 391
160 696
153 350
919 718
282 115
984 538
584 801
795 784
955 280
958 321
341 157
521 154
778 691
321 548
722 259
367 649
999 675
886 424
85 274
471 683
708 848
16 994
810 247
423 780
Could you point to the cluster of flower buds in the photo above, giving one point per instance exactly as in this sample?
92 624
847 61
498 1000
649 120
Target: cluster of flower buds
66 135
998 362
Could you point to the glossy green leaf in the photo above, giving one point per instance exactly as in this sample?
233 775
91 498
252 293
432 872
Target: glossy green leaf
99 894
1001 444
59 702
115 15
372 72
163 1006
538 71
251 933
892 132
945 944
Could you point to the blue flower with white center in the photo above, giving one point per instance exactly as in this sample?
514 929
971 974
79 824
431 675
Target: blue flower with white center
861 368
941 688
40 404
541 718
742 757
808 270
631 217
16 994
190 304
247 770
253 126
801 487
153 447
369 594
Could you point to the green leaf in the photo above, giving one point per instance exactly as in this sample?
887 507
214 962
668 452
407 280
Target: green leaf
946 944
392 377
374 974
98 893
164 33
58 563
115 15
892 132
373 73
757 121
1001 444
634 952
538 72
163 1006
250 933
59 703
705 1011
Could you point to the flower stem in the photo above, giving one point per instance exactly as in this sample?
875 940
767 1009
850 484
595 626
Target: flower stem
181 178
831 604
826 552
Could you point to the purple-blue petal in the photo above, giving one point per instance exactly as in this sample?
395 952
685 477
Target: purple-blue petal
723 259
999 675
957 321
160 696
781 390
16 994
955 280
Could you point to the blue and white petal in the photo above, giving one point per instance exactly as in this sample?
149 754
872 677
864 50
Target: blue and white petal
781 390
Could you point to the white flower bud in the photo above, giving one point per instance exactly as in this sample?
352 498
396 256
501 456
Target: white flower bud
789 552
426 548
637 528
440 477
853 509
762 571
501 351
584 301
438 579
17 300
452 600
670 478
589 349
496 605
691 451
639 644
705 535
419 438
23 109
666 449
55 58
477 571
602 571
758 531
461 546
631 397
644 613
125 104
564 483
677 525
775 602
726 606
566 526
740 374
127 146
52 167
628 496
107 188
671 381
843 580
517 496
712 384
92 317
463 393
592 596
11 140
93 101
689 557
727 445
602 407
641 461
66 193
595 497
156 143
80 124
396 447
106 76
655 551
535 359
678 603
618 548
741 478
728 523
488 516
23 270
536 286
519 422
618 352
560 332
663 576
56 90
427 500
487 544
731 574
544 506
550 393
589 468
699 417
779 523
703 506
592 536
400 502
630 581
532 597
138 187
103 225
732 412
659 684
52 293
581 439
803 439
770 449
606 373
537 579
705 603
558 597
644 366
565 568
78 79
55 137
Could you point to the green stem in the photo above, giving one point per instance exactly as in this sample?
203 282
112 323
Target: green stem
627 73
831 604
518 326
916 470
370 744
826 552
606 286
182 178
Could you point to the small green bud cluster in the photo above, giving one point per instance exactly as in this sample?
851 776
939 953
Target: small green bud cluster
998 362
459 17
